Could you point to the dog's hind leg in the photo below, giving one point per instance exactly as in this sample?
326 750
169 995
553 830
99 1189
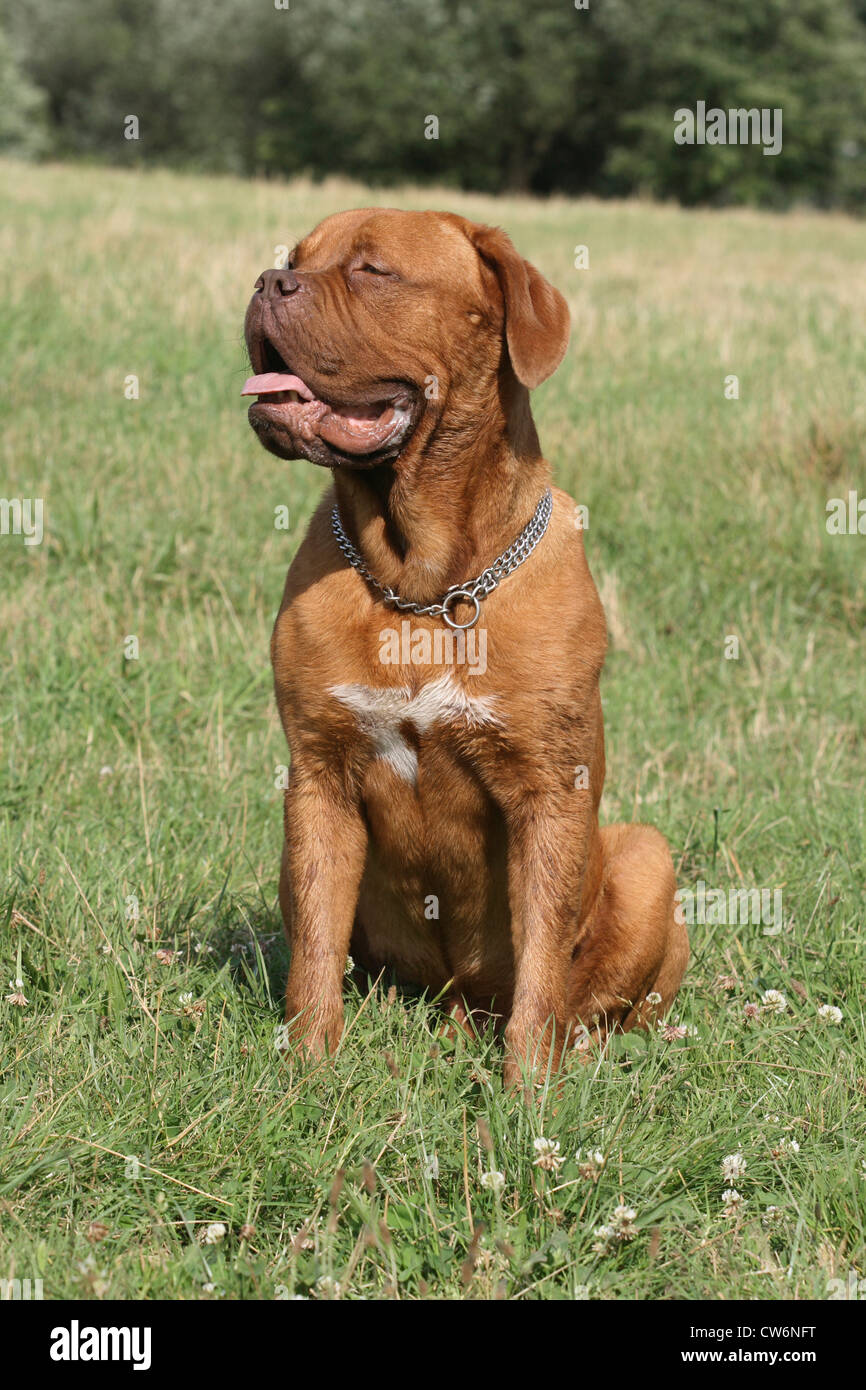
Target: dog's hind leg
631 944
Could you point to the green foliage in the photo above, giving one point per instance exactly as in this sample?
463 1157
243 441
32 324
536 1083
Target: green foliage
804 57
553 100
23 130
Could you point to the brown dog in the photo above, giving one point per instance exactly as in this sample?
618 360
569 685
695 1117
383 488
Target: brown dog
441 816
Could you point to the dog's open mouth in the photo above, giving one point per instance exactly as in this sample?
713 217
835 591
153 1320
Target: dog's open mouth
353 428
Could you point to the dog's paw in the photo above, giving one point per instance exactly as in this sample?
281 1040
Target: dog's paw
309 1034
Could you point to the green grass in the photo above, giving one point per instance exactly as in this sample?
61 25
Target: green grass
150 782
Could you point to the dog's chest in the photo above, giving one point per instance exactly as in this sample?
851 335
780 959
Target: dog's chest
395 719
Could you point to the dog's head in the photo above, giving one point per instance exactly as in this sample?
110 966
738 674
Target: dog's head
387 327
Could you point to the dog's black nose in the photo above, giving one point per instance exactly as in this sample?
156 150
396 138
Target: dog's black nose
278 284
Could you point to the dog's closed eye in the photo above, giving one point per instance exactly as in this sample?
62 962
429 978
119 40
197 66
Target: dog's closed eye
369 269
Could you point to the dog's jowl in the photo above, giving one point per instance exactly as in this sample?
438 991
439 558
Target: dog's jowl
470 785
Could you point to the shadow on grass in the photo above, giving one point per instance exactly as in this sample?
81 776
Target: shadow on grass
244 935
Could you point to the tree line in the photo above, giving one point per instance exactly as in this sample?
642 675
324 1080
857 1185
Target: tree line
544 96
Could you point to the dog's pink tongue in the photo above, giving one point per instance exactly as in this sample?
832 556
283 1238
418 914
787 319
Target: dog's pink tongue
269 383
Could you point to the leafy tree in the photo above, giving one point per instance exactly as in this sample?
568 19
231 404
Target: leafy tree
543 98
23 126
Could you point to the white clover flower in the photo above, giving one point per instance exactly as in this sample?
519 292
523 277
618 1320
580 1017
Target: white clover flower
350 966
494 1181
732 1200
591 1165
785 1147
654 998
328 1287
733 1167
17 996
670 1031
213 1233
830 1013
548 1154
773 1216
774 1001
605 1237
619 1229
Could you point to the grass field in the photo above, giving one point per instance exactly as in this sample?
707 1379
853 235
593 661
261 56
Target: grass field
140 825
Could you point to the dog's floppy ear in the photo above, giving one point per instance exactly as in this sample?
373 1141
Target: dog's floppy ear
536 315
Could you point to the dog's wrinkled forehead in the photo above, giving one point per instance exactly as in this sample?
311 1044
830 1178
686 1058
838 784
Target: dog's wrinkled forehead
422 248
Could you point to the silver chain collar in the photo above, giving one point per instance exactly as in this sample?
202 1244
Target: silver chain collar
473 591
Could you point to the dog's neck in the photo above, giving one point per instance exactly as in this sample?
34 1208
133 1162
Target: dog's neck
435 518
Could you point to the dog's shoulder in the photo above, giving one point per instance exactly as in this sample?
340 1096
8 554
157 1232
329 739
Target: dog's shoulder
317 553
320 598
318 573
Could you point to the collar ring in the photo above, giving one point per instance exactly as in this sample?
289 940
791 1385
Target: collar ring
455 596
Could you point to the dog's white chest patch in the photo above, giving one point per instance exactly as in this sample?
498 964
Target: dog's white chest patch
381 712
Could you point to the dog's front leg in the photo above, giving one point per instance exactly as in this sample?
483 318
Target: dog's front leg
325 846
546 864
